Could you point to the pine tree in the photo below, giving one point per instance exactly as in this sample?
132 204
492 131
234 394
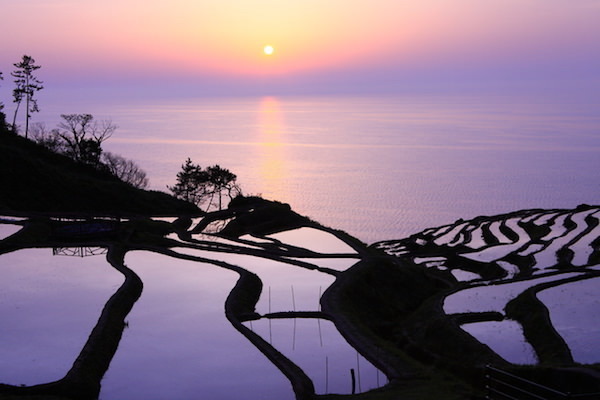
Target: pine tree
205 187
1 104
2 115
26 86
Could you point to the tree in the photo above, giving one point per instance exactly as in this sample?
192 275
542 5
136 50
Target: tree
81 139
222 183
26 86
125 170
49 139
190 183
205 186
83 136
1 104
2 115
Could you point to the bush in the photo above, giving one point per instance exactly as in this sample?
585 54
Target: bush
125 170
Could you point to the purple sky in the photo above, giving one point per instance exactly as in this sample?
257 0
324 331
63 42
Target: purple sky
194 48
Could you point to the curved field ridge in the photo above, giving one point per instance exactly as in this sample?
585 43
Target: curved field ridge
284 262
394 309
521 267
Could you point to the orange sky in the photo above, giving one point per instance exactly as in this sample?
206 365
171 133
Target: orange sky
121 39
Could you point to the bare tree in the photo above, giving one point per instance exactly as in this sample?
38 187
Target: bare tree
26 86
83 136
49 139
126 170
80 138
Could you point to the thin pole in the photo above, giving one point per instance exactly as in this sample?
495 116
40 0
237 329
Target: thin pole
270 329
320 334
294 308
294 336
319 319
319 300
358 371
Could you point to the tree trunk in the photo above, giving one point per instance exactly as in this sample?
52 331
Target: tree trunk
27 116
14 124
28 92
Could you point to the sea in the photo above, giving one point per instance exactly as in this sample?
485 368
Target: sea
376 166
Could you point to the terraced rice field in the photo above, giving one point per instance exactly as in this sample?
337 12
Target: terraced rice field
554 254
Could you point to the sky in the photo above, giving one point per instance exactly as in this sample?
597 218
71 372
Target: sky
210 47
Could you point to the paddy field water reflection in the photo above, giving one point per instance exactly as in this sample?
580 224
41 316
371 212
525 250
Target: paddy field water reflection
177 341
49 305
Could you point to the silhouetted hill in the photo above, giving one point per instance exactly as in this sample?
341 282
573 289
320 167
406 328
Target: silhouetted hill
34 179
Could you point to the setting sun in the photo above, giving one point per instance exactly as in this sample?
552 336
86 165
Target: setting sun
268 50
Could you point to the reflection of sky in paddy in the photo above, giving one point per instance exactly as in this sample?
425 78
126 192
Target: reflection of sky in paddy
8 229
575 313
313 239
583 247
49 306
547 256
179 344
278 279
557 228
497 252
505 338
319 349
492 297
464 276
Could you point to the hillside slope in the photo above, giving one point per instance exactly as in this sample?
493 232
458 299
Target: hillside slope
33 179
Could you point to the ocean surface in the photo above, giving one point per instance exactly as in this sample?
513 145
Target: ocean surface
378 167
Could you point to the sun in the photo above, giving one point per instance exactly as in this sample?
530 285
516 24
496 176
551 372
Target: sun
268 50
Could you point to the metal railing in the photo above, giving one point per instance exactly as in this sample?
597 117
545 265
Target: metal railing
502 385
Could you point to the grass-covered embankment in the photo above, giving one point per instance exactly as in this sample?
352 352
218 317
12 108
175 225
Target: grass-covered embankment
374 305
34 179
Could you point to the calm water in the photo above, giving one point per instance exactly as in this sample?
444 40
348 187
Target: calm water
178 343
377 167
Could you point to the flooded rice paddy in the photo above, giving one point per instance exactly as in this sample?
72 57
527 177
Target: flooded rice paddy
177 341
554 254
181 338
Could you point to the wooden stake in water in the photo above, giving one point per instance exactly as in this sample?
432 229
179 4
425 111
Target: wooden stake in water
319 319
358 371
270 329
294 308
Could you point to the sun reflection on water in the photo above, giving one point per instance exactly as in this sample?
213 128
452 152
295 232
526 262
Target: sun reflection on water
272 165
